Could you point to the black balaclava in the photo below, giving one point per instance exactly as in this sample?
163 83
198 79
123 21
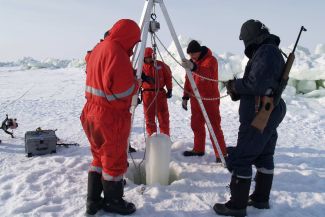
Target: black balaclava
254 33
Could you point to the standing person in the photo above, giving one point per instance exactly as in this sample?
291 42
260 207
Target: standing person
263 73
203 63
156 76
106 119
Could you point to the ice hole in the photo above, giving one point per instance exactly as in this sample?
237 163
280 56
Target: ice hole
137 174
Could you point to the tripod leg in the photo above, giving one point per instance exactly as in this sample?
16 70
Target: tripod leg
144 37
193 85
144 24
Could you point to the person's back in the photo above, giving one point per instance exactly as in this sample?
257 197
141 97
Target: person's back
109 68
106 120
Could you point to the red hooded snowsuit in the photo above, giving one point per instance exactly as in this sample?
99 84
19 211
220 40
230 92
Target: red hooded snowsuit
207 66
153 103
110 85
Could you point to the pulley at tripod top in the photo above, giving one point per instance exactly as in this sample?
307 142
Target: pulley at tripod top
154 26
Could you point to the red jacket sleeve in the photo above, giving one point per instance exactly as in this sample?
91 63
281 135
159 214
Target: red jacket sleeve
187 88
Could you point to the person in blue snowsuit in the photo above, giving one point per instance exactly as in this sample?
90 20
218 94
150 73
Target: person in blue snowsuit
262 76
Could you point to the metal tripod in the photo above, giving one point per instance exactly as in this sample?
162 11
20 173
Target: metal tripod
144 24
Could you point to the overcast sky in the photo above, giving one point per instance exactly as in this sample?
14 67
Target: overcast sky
68 28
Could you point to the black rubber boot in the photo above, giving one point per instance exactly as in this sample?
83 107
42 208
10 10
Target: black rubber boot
261 196
237 204
95 188
113 198
192 153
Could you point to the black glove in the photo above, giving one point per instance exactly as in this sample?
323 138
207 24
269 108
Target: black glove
230 85
169 93
184 102
147 79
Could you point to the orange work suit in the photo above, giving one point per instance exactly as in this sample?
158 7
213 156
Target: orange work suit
206 66
110 85
154 95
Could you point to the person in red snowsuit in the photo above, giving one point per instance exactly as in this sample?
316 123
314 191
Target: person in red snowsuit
205 64
106 118
154 95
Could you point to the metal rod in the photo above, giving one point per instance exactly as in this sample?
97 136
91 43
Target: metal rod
144 36
143 15
215 146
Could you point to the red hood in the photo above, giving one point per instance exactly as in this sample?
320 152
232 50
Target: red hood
148 52
126 32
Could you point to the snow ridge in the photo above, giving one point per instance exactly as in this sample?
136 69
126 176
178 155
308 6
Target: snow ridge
307 74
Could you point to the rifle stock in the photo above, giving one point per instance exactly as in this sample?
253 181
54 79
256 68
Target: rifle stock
263 115
268 102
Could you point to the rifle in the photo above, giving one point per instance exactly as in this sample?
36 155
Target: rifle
270 100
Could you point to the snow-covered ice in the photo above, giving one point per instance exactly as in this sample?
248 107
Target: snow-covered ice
55 185
307 73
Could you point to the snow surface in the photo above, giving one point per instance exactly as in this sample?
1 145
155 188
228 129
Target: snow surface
56 184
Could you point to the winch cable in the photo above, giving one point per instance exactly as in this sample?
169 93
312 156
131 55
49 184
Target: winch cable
203 77
153 102
154 45
178 83
156 49
157 85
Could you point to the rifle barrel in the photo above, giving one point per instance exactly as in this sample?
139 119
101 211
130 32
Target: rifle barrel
301 29
286 71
